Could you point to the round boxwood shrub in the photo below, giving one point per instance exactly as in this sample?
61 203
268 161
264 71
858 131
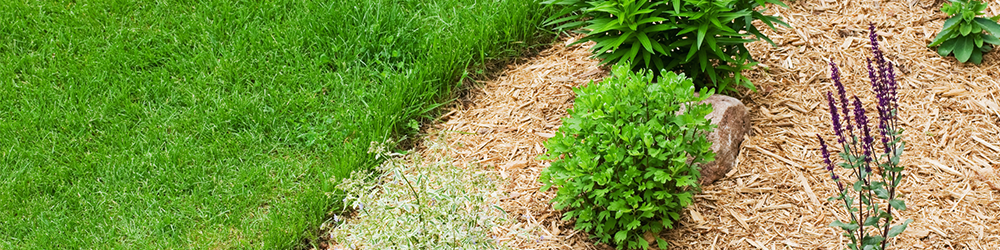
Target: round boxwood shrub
626 159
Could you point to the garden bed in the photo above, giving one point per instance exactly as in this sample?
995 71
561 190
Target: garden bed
775 198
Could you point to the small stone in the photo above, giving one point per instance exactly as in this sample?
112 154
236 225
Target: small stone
732 122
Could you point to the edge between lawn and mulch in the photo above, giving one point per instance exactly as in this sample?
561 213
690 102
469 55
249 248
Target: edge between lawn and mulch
500 129
775 198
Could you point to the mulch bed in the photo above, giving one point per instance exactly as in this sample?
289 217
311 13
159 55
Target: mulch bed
776 196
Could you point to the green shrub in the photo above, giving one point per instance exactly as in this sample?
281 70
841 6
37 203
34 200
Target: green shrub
627 157
700 38
962 34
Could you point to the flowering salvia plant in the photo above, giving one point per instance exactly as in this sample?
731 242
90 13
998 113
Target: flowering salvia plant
874 165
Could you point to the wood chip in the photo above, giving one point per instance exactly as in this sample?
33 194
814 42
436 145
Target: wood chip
847 43
959 201
755 190
757 244
515 165
796 107
809 192
955 92
697 217
739 218
944 168
987 144
777 207
545 135
768 153
791 243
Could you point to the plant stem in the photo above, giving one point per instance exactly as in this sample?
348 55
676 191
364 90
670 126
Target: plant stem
420 213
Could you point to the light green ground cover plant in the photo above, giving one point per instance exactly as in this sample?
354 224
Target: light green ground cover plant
703 39
419 204
963 34
626 159
216 124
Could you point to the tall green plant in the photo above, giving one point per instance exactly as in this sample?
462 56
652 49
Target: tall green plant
962 34
626 159
705 39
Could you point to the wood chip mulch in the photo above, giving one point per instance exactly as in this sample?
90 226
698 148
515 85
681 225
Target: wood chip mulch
776 196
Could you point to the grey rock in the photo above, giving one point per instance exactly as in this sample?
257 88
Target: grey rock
732 122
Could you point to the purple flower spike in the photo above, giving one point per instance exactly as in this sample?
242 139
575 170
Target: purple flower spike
873 36
835 75
876 81
858 150
862 120
836 119
826 153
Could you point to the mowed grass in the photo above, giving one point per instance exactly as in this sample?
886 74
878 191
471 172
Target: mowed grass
216 123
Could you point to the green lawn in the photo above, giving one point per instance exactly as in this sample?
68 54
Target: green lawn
216 123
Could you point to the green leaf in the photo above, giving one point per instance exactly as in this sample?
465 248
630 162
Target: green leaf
944 35
965 29
844 226
645 43
659 27
896 230
977 56
950 23
947 47
989 25
702 30
898 204
621 39
620 236
651 20
871 242
991 40
963 49
881 193
631 53
871 221
633 225
777 2
660 243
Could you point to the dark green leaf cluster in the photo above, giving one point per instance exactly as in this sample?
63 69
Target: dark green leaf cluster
701 38
627 157
962 34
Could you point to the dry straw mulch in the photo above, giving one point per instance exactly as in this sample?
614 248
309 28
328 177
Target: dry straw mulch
776 197
502 124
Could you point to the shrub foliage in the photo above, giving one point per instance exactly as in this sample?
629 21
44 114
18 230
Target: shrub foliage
627 157
962 34
700 38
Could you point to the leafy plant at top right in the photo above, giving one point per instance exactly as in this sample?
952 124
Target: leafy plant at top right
962 34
